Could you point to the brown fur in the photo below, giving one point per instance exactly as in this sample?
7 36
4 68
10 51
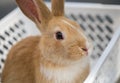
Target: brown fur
25 59
20 67
81 77
58 7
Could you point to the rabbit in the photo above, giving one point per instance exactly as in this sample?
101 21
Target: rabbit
59 55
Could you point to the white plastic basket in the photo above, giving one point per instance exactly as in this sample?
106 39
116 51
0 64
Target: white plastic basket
107 69
99 25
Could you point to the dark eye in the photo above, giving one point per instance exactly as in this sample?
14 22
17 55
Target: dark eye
59 35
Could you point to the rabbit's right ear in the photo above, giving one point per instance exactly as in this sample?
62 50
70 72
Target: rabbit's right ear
36 10
58 7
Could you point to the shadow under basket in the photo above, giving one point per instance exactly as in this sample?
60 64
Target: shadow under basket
99 25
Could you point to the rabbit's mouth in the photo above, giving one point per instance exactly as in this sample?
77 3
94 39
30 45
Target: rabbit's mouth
85 50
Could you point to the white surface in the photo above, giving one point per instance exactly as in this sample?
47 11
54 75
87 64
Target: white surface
105 55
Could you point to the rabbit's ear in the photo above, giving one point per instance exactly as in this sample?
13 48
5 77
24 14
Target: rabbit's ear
44 13
58 7
36 10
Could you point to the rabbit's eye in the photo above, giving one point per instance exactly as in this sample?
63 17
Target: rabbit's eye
59 35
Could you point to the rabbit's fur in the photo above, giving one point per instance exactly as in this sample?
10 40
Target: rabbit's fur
46 59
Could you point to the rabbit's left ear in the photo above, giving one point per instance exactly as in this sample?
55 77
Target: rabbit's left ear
36 10
29 9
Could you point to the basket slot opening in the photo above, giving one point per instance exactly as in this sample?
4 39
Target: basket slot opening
11 29
99 18
83 27
100 28
5 47
108 37
17 26
1 37
7 33
19 35
91 18
73 17
109 29
101 39
10 42
1 52
3 60
109 19
91 27
82 17
21 22
15 38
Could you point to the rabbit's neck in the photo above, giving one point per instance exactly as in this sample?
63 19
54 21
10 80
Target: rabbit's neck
65 74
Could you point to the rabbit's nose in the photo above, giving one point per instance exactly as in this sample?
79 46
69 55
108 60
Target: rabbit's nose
86 50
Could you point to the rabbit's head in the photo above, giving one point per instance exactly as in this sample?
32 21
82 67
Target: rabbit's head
62 40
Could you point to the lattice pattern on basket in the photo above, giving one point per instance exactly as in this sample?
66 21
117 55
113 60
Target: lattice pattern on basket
10 37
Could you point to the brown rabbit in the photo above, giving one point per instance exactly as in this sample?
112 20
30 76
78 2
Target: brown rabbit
59 55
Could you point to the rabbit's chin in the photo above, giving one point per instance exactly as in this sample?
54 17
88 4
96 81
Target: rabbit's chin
67 73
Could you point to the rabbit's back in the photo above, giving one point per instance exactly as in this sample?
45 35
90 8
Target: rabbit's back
20 64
